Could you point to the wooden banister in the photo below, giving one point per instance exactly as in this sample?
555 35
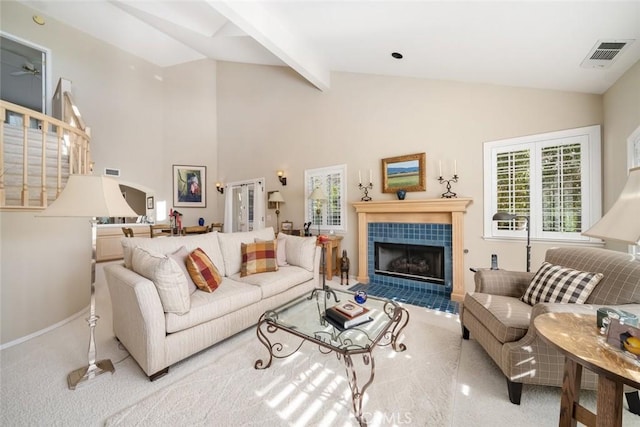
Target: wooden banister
38 186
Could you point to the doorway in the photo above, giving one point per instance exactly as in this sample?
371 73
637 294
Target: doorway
24 76
244 206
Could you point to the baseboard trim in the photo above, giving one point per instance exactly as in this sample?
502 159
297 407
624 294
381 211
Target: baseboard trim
43 331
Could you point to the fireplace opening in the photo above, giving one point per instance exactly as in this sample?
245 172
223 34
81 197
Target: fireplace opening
417 262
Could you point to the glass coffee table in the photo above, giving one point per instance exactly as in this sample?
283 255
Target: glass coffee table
303 318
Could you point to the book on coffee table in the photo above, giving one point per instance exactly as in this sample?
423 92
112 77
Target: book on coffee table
349 308
341 320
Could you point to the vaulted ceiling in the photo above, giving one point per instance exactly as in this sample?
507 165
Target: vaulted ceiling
517 43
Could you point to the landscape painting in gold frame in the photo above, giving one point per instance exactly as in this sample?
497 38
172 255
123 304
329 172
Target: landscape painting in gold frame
404 173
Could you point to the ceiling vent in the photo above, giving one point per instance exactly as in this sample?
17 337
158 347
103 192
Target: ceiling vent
604 53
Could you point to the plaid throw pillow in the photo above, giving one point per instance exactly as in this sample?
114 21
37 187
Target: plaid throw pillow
202 271
553 283
258 257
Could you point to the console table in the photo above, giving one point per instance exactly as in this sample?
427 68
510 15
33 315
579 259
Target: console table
576 336
332 255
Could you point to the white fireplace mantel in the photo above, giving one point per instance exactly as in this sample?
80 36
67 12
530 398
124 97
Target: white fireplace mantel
432 211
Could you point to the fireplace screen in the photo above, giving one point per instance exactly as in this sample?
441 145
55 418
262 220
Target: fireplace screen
417 262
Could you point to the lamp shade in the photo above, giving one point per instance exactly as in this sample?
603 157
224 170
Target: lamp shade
276 197
317 194
90 196
622 221
504 216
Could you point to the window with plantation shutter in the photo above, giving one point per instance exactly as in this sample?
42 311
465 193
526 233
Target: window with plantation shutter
552 178
332 216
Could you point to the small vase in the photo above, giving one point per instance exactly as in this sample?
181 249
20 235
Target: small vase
201 222
360 297
401 194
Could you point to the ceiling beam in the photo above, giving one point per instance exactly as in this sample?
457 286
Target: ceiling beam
253 19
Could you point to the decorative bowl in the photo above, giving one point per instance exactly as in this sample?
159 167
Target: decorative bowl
631 348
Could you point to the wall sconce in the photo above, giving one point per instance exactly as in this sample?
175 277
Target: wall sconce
282 178
220 188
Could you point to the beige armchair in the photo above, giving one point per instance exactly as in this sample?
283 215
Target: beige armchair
495 316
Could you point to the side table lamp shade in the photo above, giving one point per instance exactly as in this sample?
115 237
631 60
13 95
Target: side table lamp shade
277 198
622 222
90 196
318 196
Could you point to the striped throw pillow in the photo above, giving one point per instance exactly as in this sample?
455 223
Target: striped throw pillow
258 257
554 283
202 271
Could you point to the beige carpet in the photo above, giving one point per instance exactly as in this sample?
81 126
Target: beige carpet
413 387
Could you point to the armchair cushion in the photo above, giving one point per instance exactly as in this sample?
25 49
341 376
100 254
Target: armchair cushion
554 283
506 318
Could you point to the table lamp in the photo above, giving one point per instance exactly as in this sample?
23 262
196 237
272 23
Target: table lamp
504 216
277 198
621 224
90 196
318 196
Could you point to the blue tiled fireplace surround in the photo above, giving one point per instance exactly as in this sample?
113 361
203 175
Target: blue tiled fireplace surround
411 233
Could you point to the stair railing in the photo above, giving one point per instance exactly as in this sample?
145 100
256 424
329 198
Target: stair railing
31 172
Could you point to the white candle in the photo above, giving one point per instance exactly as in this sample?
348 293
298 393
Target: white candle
370 176
440 167
455 167
359 178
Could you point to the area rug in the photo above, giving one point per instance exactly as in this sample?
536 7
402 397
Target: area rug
414 387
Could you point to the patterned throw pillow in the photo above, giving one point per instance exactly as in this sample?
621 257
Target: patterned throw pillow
258 257
554 283
204 274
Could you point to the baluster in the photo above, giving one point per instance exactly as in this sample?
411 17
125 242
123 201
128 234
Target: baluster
59 134
43 191
24 196
3 114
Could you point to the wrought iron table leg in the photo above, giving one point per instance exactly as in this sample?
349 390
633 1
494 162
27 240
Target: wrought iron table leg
265 341
400 321
357 394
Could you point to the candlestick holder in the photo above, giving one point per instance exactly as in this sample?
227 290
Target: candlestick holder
366 189
448 194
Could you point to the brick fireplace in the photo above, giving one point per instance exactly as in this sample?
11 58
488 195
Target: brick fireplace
433 223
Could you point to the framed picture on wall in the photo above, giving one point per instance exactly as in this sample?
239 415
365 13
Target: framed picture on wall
404 173
189 186
150 202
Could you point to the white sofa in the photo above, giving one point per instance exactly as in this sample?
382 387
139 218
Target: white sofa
156 339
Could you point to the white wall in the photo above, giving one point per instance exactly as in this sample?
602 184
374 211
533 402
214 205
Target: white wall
621 118
269 119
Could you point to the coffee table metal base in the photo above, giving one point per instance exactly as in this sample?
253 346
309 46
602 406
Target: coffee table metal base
267 327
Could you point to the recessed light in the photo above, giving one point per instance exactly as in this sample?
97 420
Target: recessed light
38 19
397 55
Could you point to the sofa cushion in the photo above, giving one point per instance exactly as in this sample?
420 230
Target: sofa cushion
168 278
230 246
300 251
229 297
277 282
208 242
180 257
507 318
554 283
281 251
258 257
204 274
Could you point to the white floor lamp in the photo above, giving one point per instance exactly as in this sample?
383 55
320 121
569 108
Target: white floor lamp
277 198
318 196
90 196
